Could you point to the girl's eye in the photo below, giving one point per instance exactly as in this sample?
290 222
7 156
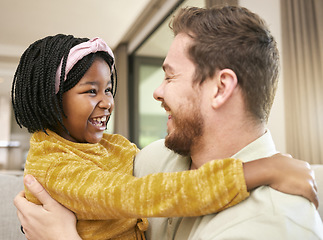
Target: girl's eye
108 90
92 91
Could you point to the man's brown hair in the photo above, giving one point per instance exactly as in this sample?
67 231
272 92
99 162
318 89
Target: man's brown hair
234 38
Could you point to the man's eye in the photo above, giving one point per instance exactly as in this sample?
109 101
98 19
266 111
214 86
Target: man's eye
168 78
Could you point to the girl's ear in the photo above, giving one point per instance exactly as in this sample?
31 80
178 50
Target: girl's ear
226 83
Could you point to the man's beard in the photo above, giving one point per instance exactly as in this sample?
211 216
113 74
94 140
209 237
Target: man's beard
187 129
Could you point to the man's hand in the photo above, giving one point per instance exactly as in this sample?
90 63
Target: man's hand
47 221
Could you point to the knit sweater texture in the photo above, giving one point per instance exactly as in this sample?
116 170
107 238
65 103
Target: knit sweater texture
96 182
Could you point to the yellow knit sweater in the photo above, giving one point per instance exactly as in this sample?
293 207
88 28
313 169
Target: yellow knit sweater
95 181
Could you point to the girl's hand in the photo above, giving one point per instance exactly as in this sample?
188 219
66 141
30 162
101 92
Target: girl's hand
283 173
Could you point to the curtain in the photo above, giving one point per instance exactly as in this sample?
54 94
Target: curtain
302 26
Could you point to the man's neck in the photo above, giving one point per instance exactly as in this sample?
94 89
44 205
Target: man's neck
223 143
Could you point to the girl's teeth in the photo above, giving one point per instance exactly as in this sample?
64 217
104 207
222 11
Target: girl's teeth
103 119
98 124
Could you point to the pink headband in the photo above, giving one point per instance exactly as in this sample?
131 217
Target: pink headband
77 53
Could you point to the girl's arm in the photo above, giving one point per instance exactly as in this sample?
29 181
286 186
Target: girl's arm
213 187
52 221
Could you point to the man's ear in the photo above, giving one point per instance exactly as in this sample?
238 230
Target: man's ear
226 83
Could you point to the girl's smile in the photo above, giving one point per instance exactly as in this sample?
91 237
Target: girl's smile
99 122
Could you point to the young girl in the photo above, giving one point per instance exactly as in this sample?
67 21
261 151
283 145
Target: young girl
63 93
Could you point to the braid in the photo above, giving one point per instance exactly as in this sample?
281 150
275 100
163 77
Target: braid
35 104
33 91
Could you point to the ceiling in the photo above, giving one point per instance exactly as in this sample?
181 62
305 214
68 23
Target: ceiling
23 22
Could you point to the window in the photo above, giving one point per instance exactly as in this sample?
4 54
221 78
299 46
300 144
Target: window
149 122
147 118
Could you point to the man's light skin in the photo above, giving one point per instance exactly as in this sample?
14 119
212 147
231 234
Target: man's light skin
216 97
51 213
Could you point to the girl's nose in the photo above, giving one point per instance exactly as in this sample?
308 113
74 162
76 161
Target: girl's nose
106 103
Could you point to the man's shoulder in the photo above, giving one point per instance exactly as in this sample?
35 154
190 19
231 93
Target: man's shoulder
266 212
156 158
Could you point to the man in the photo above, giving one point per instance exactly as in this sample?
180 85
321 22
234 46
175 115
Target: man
220 80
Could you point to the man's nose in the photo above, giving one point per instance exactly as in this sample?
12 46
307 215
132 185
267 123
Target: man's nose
159 92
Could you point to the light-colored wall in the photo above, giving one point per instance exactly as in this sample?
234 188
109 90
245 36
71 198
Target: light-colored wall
269 10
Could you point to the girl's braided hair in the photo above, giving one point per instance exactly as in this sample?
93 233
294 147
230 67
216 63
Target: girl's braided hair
35 104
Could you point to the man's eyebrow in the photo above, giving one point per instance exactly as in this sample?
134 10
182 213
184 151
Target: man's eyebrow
167 67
